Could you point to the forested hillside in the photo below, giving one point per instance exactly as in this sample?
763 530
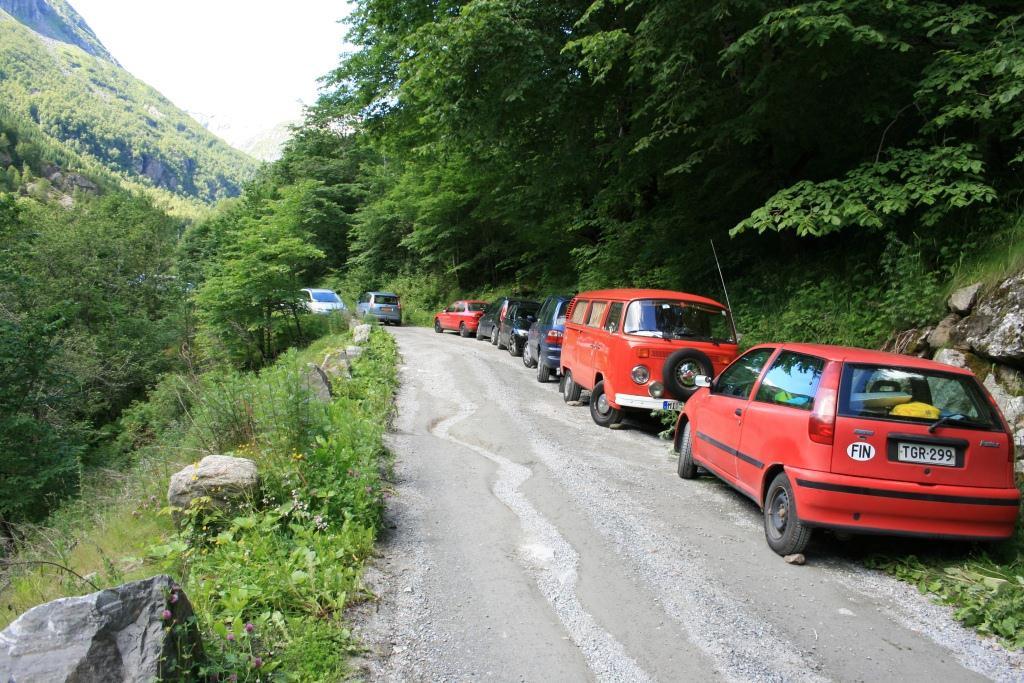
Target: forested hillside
64 81
850 159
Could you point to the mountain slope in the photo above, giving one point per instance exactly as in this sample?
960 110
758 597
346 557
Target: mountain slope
81 97
57 20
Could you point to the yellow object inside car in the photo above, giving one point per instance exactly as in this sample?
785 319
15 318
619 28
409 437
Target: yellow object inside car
916 409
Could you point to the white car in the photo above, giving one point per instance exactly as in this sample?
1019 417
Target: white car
322 301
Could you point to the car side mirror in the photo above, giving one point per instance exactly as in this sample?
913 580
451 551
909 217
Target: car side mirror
702 381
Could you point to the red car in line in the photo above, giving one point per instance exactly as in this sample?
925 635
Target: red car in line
854 440
640 349
462 317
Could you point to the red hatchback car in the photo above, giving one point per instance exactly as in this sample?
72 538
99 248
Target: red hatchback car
461 316
641 348
854 440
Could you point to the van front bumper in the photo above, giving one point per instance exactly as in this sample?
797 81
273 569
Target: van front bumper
646 402
866 505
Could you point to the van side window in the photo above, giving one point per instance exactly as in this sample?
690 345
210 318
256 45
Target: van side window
738 379
596 313
579 311
614 317
792 381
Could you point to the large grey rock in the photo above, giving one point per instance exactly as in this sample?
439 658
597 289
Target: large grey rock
951 357
1011 406
361 334
337 364
995 329
940 336
318 383
221 478
962 300
116 635
354 351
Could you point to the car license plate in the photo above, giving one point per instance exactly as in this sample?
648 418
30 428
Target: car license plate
926 454
387 309
670 405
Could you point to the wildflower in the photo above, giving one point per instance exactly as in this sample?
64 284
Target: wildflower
166 615
257 662
369 489
233 677
174 598
231 637
249 628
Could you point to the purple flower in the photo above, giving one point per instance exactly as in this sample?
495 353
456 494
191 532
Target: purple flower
174 598
231 637
166 615
257 662
233 677
249 628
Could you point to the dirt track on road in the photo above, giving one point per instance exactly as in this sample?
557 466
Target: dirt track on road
530 544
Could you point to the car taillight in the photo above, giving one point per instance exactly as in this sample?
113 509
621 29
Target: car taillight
553 337
821 428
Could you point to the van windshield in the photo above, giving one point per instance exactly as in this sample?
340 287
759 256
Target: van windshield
912 395
667 319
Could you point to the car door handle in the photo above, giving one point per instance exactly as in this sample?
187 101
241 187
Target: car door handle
739 412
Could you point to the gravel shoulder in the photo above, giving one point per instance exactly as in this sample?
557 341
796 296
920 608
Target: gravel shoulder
529 544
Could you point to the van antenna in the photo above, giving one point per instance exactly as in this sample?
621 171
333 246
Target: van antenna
724 288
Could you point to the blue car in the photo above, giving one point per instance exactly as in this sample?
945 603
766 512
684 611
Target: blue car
385 306
543 348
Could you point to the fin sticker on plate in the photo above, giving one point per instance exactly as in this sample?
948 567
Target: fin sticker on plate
861 451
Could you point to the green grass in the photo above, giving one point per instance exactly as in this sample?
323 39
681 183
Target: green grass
286 563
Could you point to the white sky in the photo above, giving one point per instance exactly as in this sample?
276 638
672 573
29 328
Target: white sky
246 63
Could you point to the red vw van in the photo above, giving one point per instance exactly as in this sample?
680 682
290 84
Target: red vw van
856 440
641 348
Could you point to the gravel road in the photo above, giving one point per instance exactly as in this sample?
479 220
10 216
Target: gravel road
527 543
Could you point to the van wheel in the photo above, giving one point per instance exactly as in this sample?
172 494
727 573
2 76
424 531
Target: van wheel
543 372
437 326
494 336
681 368
463 332
686 468
570 390
784 531
480 336
601 410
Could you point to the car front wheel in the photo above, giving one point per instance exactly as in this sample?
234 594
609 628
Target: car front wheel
437 326
686 468
784 531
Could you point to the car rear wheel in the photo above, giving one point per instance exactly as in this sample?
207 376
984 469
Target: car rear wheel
686 468
515 347
463 332
681 370
570 390
437 326
543 372
601 409
784 531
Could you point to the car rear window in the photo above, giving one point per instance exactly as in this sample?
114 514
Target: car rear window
382 299
596 313
579 311
914 395
325 297
792 381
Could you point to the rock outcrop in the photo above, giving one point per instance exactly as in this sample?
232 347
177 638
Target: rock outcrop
985 332
139 632
222 479
361 334
318 383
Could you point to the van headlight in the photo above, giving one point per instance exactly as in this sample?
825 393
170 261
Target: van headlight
640 374
656 390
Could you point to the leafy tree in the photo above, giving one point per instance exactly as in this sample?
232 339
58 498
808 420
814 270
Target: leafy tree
251 290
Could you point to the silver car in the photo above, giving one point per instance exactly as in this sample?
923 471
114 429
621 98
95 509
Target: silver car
385 306
322 301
